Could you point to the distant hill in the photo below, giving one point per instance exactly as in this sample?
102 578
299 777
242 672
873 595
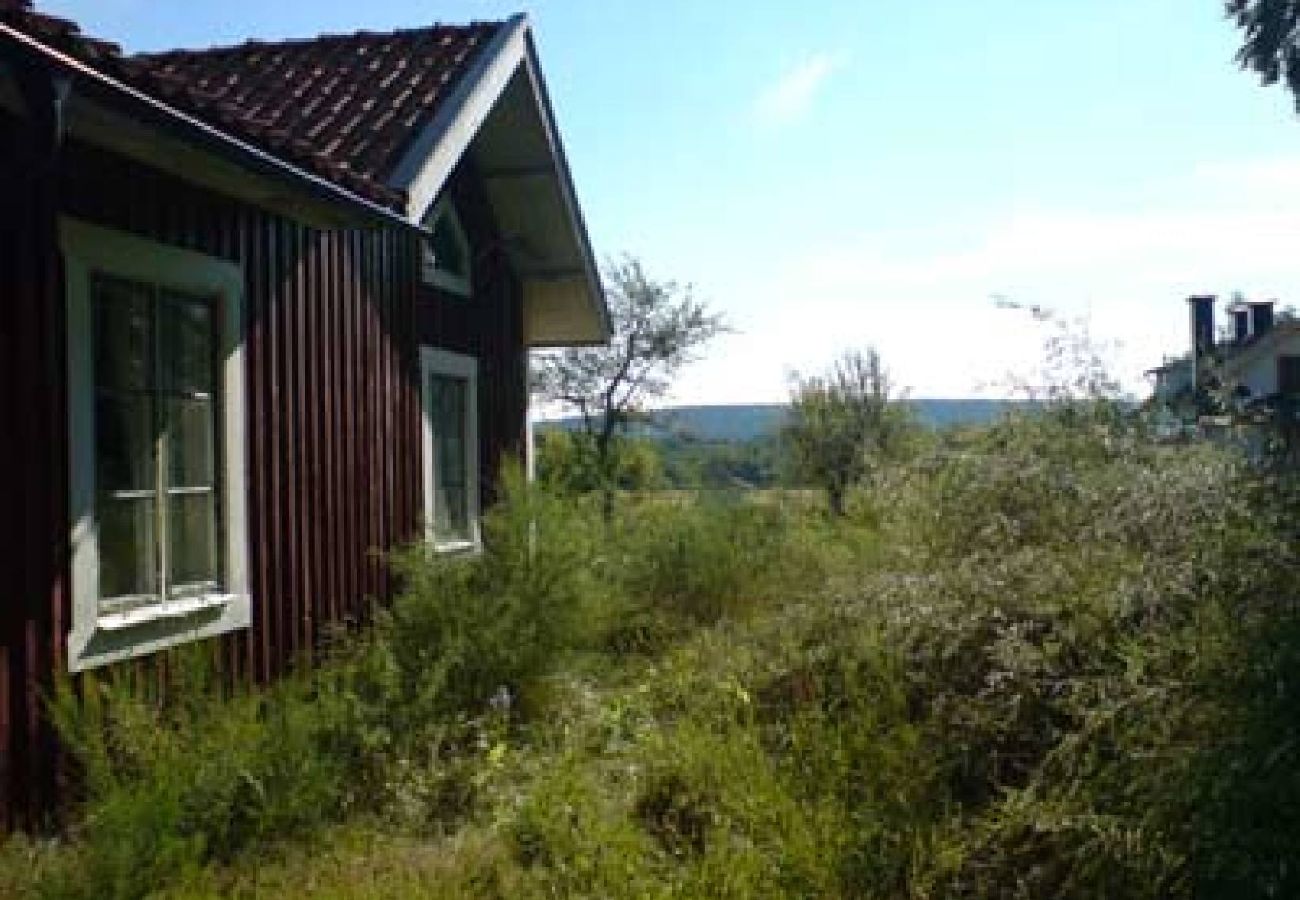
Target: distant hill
746 422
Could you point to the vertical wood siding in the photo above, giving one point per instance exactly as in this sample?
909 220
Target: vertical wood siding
33 489
332 433
488 325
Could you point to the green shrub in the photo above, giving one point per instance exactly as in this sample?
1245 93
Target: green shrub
174 784
1082 616
463 629
714 555
1049 659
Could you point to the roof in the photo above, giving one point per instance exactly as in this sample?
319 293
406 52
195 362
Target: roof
343 107
375 120
1237 355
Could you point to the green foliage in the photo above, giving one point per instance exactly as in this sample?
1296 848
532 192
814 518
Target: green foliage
464 628
691 463
178 782
656 329
1044 659
1270 46
714 555
844 424
1086 613
567 462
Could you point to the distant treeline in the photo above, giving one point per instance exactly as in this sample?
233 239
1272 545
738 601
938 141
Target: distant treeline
739 445
749 421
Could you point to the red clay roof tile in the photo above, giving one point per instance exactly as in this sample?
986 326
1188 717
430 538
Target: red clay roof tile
343 106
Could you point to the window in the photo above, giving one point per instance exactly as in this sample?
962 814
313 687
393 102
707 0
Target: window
1288 375
155 401
155 364
447 259
449 391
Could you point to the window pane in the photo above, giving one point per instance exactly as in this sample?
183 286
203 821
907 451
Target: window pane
450 475
127 547
124 442
123 335
191 544
190 442
186 344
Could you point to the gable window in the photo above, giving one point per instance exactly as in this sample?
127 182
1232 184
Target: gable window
447 259
155 401
449 391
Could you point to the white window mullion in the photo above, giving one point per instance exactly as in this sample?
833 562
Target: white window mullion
160 426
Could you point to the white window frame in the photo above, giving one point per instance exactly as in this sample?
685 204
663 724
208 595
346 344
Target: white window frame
434 361
429 271
96 638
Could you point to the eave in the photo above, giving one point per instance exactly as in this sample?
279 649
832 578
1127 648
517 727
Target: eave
104 112
500 117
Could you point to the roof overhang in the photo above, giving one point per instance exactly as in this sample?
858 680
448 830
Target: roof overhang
500 117
103 112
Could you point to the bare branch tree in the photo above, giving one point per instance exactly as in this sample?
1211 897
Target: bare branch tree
658 328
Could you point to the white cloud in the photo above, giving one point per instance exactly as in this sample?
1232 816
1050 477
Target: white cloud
791 95
925 301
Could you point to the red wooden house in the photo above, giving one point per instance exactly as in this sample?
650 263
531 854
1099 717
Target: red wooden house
264 309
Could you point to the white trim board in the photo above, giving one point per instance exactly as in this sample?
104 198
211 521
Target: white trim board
435 361
427 165
96 639
430 273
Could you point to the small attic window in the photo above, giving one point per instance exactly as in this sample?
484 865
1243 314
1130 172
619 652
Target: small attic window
447 255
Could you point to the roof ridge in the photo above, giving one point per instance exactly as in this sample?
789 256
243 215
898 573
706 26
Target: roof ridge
260 44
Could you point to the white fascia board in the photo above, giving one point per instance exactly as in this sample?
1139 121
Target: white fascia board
156 115
427 165
425 168
567 190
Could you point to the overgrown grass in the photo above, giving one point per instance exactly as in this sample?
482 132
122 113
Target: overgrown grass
1051 659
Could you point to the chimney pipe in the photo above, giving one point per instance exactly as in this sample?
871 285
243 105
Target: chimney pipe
1261 318
1202 310
1202 324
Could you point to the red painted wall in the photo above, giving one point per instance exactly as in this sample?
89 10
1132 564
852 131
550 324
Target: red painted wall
333 322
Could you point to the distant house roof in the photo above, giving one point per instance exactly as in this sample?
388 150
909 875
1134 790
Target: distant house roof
345 107
1236 356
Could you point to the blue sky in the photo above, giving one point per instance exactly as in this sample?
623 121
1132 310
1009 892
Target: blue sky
854 172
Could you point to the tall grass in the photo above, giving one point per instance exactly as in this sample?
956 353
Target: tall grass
1050 659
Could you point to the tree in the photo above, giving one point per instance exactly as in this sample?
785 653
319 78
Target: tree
658 328
843 423
1271 40
565 462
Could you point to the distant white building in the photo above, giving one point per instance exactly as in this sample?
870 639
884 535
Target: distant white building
1253 365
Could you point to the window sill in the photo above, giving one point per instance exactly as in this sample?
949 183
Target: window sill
457 547
172 609
118 636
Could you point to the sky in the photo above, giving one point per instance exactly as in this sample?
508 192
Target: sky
853 173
